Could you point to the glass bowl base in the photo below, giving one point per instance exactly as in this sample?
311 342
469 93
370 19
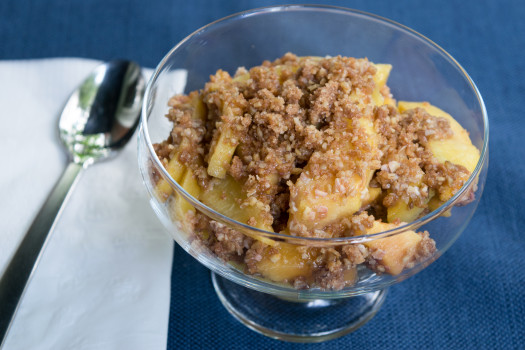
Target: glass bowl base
308 321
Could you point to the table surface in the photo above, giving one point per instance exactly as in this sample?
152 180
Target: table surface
474 296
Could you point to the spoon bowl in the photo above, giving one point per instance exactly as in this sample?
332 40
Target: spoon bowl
102 114
99 118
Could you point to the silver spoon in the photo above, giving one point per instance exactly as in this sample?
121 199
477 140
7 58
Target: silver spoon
98 119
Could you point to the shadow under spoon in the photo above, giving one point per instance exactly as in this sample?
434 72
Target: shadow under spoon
98 119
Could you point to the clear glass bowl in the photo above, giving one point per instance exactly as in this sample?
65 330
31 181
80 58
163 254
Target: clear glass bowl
422 72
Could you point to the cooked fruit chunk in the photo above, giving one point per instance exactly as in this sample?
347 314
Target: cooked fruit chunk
315 206
199 108
408 211
435 203
332 195
410 205
380 78
222 153
373 194
395 252
284 262
458 149
181 207
223 95
227 197
175 168
401 210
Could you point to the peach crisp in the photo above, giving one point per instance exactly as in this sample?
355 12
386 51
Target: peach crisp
311 147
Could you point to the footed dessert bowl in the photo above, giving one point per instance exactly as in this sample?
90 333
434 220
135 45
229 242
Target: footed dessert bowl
298 175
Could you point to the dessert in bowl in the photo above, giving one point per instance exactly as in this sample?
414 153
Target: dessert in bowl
310 182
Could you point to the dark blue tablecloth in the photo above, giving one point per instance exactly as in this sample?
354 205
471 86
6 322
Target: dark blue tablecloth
474 296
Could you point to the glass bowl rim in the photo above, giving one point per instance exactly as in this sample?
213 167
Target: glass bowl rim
312 240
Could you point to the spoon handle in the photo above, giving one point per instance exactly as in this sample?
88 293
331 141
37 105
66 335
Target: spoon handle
22 264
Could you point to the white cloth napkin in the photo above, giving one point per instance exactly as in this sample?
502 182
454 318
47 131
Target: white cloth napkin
103 281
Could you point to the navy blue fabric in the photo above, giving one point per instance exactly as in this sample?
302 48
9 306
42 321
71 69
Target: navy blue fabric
471 298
